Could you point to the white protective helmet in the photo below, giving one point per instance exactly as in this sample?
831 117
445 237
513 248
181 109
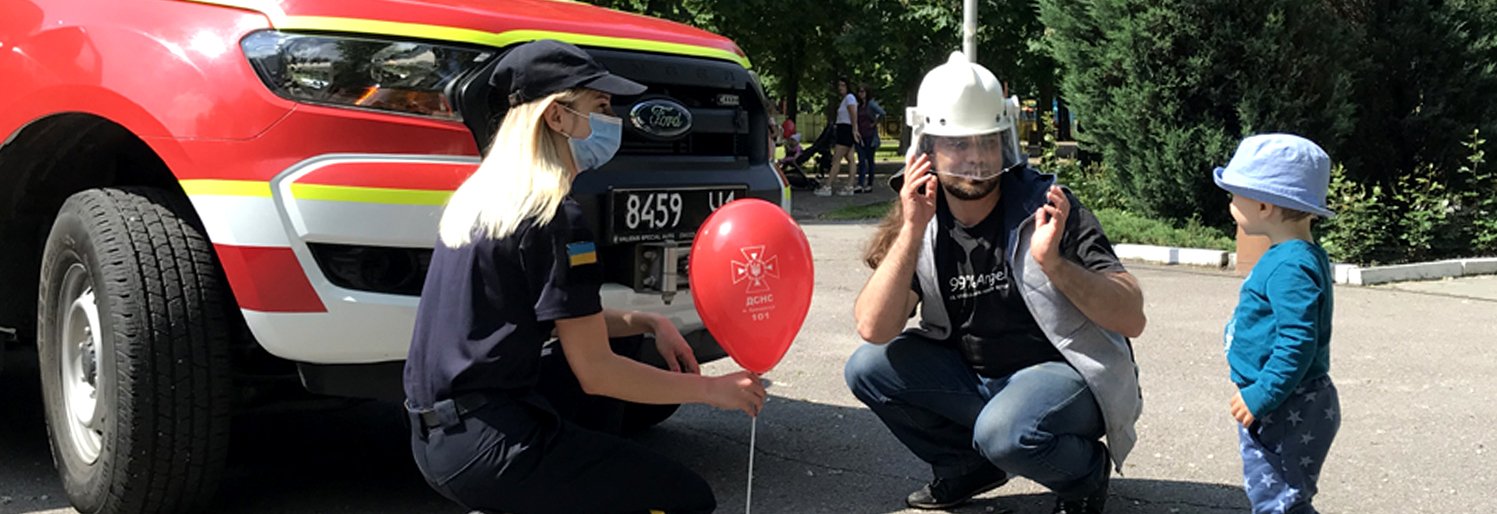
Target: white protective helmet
959 101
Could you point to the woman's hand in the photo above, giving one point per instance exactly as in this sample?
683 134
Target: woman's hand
918 196
673 348
736 391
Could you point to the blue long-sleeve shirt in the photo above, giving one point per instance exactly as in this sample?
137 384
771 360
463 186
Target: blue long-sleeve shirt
1280 334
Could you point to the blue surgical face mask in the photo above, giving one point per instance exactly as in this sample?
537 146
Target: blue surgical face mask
599 147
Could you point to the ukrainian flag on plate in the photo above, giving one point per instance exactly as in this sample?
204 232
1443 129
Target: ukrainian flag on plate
581 253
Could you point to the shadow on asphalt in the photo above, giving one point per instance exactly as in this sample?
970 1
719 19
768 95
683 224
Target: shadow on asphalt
351 460
811 457
28 482
816 457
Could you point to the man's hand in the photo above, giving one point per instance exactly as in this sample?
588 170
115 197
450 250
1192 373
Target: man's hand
1240 411
1049 227
673 348
919 206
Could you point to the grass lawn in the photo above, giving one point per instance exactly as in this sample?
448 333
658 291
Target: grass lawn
870 211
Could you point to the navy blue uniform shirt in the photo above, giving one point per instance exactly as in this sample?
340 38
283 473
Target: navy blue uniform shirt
488 307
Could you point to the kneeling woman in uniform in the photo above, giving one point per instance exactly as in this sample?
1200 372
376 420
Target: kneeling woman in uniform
496 425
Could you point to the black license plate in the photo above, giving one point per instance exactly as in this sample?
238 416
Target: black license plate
643 215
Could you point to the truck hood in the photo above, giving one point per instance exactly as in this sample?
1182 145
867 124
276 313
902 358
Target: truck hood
496 23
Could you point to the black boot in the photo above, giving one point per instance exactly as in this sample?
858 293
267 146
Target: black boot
1094 502
942 493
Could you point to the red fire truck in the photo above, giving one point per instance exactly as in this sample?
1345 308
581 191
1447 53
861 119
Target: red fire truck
217 206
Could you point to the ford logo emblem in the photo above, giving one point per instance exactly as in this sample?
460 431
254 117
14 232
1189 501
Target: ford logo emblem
660 118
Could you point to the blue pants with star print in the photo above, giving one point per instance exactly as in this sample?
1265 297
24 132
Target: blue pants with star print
1283 451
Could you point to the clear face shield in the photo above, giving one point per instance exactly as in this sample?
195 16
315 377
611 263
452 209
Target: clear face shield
980 157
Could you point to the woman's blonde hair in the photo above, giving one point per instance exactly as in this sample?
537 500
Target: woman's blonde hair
523 177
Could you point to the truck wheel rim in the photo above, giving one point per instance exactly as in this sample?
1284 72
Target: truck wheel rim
81 343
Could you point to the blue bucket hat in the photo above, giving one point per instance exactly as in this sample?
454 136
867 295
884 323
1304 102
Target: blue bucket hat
1281 169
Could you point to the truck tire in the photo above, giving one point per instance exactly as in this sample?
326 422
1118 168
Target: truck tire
132 337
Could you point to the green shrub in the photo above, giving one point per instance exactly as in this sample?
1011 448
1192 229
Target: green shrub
1091 183
1478 198
1360 230
1426 228
1424 217
1125 227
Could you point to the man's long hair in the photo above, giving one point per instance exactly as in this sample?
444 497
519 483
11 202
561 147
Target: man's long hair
883 238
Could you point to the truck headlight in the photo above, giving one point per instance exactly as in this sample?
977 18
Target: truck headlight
362 72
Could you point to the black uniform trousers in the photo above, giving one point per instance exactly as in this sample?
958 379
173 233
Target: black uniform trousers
552 450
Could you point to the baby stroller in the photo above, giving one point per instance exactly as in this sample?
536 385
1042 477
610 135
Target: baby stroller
794 163
790 165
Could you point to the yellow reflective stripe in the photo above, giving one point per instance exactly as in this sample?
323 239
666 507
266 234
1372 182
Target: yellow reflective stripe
497 40
209 187
647 45
280 20
196 187
369 195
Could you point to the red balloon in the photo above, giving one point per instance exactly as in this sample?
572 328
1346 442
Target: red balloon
751 278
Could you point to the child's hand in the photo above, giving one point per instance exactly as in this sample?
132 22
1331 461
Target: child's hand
1240 411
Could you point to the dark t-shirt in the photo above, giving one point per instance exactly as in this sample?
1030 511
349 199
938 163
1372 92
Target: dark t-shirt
488 307
994 329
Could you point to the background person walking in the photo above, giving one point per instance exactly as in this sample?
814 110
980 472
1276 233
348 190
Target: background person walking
847 138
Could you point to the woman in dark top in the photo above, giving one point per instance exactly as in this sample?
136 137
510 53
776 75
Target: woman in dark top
501 421
869 112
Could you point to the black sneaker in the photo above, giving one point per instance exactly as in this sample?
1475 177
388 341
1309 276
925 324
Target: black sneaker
1093 503
949 492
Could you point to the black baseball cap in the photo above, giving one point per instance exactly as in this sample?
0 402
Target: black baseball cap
544 67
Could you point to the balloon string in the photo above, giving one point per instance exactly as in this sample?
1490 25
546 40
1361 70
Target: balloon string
748 499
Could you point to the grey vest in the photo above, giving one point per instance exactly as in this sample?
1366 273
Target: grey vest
1103 357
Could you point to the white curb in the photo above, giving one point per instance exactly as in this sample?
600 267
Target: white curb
1344 273
1171 255
1422 271
1405 273
1479 266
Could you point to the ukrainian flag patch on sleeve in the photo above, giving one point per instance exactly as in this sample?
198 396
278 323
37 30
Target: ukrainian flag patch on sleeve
582 253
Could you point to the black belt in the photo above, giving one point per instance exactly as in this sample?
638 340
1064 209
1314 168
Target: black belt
449 412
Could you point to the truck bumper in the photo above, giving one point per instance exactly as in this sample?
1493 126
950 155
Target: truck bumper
266 232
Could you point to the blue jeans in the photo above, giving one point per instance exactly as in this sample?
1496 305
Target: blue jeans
1041 422
865 160
1283 451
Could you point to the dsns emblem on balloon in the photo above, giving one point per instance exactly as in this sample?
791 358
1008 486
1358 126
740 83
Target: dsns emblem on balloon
756 270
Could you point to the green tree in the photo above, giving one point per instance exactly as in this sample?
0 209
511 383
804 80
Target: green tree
783 40
1168 87
800 49
1428 82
